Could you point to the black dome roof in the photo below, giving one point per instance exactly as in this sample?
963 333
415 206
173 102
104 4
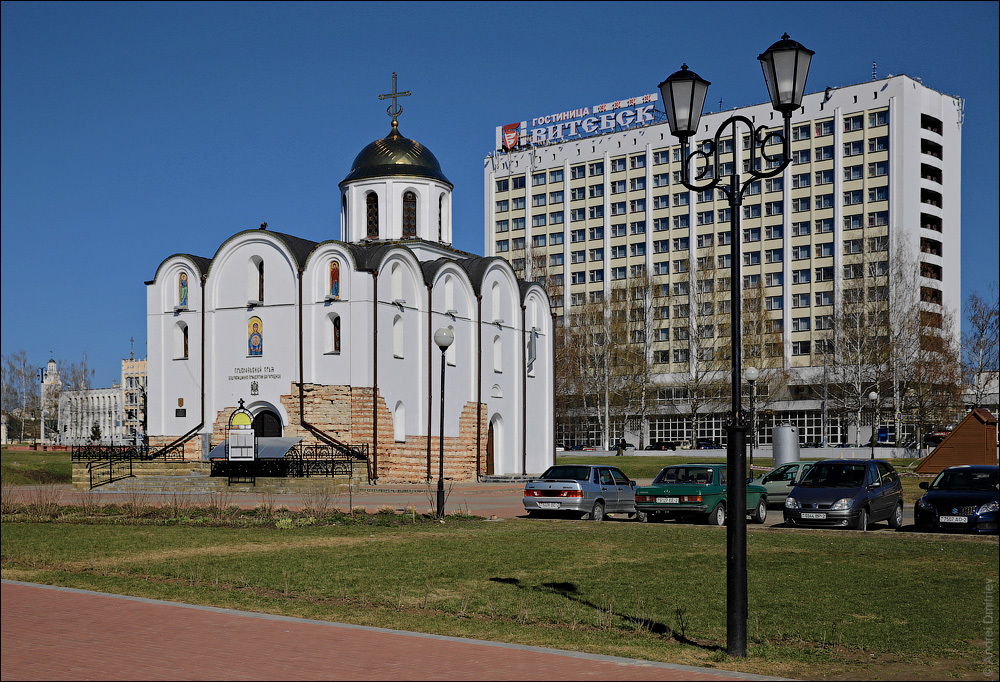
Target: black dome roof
395 155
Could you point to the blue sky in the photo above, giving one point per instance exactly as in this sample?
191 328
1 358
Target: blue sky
131 131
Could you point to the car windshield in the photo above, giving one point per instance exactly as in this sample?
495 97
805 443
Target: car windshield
564 473
835 475
702 475
965 479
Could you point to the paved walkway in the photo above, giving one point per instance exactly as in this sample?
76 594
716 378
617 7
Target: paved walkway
53 633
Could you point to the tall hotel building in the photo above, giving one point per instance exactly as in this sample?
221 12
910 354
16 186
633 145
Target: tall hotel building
585 200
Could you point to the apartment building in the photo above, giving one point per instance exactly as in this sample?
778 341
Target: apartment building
588 199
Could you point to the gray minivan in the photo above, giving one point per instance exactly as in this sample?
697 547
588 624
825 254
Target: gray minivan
846 493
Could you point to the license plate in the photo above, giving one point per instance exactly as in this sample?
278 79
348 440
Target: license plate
548 505
813 515
954 519
667 500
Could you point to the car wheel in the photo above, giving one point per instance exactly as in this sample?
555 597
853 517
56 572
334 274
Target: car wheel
863 520
597 513
760 514
718 516
640 516
896 520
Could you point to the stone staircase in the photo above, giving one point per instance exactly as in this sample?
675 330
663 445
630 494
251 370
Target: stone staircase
194 478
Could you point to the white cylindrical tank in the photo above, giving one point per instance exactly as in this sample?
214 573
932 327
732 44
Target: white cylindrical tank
786 444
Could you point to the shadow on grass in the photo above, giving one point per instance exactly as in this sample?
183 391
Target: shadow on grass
570 592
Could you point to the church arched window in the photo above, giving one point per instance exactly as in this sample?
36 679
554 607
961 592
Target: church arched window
497 355
409 214
399 423
371 212
495 300
333 334
397 336
396 282
255 279
180 341
441 218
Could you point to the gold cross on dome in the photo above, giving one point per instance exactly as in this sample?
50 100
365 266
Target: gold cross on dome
394 110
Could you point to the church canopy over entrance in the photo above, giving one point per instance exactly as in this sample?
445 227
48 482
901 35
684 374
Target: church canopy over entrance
267 448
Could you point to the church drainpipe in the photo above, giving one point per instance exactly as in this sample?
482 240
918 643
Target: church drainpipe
430 378
187 436
375 375
479 383
524 396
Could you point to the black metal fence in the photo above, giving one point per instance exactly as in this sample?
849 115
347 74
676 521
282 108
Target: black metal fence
301 461
109 471
137 453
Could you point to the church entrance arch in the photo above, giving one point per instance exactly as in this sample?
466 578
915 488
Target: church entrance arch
267 424
494 445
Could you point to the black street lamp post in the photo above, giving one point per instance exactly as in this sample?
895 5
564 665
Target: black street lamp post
443 337
873 400
785 65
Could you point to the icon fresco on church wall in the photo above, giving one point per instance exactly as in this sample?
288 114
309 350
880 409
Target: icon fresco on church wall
255 340
335 278
182 289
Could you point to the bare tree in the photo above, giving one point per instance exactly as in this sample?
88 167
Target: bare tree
20 390
980 344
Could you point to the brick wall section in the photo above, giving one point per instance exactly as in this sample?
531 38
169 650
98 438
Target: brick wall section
346 414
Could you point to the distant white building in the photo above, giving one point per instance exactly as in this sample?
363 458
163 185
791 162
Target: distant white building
80 411
350 323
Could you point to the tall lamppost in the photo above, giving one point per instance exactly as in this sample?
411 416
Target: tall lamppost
751 374
873 400
443 337
785 65
41 404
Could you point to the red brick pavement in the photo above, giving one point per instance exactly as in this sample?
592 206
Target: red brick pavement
63 634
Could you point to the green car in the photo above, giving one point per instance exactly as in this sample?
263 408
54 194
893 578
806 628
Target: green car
697 490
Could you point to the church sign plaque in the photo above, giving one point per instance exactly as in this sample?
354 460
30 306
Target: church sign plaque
254 373
242 440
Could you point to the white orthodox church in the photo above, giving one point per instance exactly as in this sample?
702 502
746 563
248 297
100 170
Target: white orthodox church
332 341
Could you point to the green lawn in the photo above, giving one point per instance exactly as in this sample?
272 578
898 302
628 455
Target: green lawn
820 601
34 467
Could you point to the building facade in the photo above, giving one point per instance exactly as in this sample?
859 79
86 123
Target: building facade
590 199
119 412
332 341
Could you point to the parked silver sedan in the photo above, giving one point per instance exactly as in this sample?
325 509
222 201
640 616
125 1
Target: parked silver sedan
590 491
780 481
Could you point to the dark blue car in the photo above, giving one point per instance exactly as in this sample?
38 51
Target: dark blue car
961 498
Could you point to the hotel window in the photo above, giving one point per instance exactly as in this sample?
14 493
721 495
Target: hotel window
661 268
774 208
637 227
800 180
800 324
725 215
825 274
682 222
724 238
751 211
682 355
824 128
579 277
556 176
706 195
596 276
596 168
577 299
637 161
661 157
617 208
852 246
681 289
801 276
800 204
800 347
596 233
854 222
577 172
682 199
596 191
555 238
502 226
517 243
824 226
502 185
852 123
662 201
517 182
879 269
800 133
853 172
878 193
517 224
618 186
751 258
824 177
705 217
878 243
800 252
680 266
800 300
725 261
824 298
878 218
517 203
704 240
556 259
855 148
878 118
824 322
801 156
752 189
824 201
502 246
774 232
681 243
661 246
617 165
596 254
661 180
556 197
853 197
775 184
774 279
502 206
878 169
538 200
774 303
578 214
878 144
853 270
824 153
618 230
598 211
637 184
538 240
801 229
638 249
537 179
618 252
538 220
556 218
618 273
637 205
751 281
773 255
751 234
578 236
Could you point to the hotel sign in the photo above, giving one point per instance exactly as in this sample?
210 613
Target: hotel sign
577 123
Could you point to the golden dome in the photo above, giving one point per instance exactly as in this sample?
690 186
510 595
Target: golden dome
395 155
